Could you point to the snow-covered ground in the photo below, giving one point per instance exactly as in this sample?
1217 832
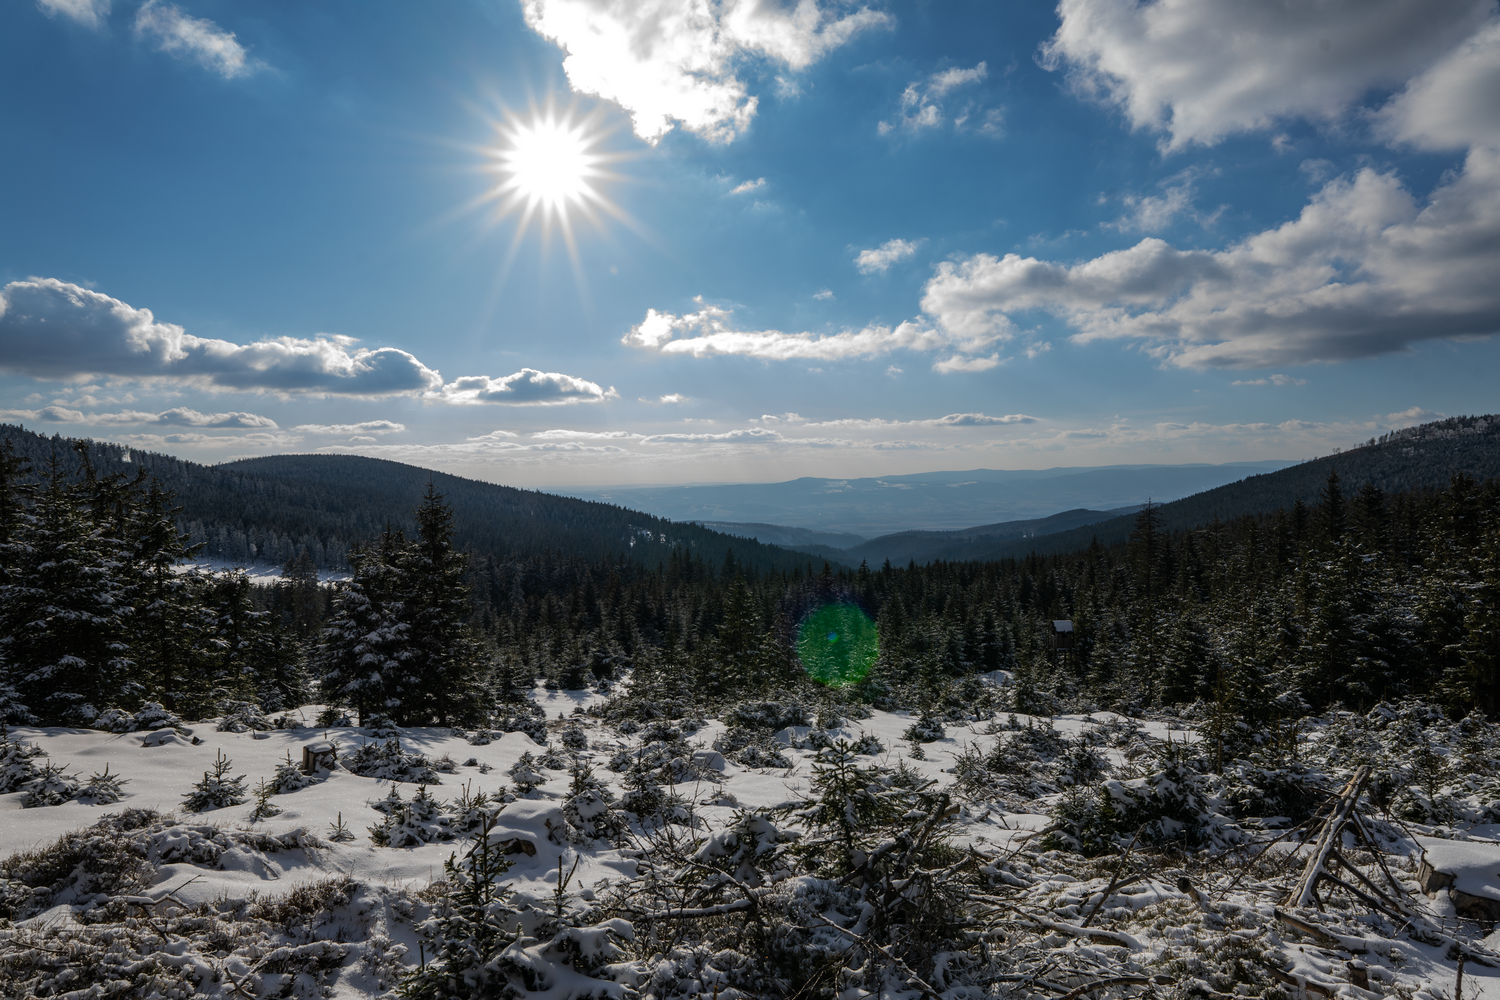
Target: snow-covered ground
390 879
259 573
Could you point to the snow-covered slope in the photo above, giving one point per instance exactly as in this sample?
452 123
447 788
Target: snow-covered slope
1164 927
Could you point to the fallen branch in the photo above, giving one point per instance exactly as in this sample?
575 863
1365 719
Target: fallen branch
1319 934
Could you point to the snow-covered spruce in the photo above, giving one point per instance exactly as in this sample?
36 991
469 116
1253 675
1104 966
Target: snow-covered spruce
217 789
479 950
19 762
242 717
148 718
390 761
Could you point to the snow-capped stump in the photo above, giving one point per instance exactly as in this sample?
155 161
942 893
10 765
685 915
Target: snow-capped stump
526 823
320 756
1470 872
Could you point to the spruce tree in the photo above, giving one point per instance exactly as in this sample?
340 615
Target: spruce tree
366 647
171 633
441 681
63 613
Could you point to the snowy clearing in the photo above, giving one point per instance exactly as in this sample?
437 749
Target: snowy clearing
357 906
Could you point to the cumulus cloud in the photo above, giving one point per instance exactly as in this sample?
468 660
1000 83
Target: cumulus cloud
880 259
193 38
527 387
709 333
1365 269
823 295
1271 380
922 108
669 62
90 13
1199 70
51 329
364 427
1454 104
749 186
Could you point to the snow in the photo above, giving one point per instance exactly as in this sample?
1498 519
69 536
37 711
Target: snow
259 573
1474 865
160 767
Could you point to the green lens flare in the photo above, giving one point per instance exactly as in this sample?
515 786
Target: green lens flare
838 644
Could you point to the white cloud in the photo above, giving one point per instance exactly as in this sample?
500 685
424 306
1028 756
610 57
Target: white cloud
90 13
180 416
958 363
921 102
824 295
893 370
748 186
258 440
193 38
711 335
1271 380
51 329
1414 415
934 423
673 397
527 387
1153 213
1454 104
951 79
1363 270
1203 69
363 427
882 257
675 61
564 434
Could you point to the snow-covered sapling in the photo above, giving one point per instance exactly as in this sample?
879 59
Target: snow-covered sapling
289 776
17 762
471 925
217 789
264 807
241 717
103 789
928 729
50 787
339 832
526 774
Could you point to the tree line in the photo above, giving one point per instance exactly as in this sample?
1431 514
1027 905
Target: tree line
1353 598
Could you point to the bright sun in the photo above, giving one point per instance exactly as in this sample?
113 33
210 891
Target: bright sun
548 167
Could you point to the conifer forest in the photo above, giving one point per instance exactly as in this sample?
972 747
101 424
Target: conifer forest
1251 757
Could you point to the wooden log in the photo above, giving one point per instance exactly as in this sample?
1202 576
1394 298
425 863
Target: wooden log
1304 893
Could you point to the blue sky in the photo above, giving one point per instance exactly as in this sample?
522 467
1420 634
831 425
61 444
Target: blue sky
574 242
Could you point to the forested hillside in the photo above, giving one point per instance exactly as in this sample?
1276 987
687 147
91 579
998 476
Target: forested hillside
1416 458
1271 670
1356 598
268 510
969 543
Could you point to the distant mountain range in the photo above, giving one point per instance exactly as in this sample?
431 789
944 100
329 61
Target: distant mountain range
266 510
931 501
921 546
1423 457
